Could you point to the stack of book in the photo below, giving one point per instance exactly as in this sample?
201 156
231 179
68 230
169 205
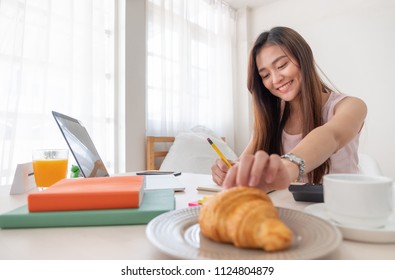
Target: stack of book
119 200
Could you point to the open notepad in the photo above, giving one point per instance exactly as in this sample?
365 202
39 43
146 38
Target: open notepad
160 182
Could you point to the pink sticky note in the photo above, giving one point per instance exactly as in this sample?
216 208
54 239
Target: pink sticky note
194 203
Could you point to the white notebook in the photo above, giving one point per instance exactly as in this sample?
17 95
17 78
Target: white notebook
155 182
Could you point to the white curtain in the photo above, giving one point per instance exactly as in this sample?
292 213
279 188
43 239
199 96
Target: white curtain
190 64
54 55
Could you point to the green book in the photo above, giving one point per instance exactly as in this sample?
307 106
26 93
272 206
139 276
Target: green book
155 202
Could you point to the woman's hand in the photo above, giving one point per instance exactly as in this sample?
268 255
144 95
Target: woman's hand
260 170
219 170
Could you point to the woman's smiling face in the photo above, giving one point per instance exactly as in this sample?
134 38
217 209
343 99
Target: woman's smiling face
279 72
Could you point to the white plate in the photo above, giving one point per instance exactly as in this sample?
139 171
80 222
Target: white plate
379 235
177 233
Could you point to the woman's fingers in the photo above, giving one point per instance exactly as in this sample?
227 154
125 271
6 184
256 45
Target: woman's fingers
272 168
249 171
244 169
257 169
218 171
230 179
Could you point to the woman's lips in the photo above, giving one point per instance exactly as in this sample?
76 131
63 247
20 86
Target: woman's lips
285 86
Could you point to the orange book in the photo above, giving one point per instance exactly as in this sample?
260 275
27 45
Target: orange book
89 194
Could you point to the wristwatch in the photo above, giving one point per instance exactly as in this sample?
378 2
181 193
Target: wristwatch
298 161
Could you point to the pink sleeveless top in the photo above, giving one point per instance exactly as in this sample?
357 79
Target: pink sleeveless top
344 160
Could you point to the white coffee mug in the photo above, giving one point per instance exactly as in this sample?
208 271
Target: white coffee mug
357 199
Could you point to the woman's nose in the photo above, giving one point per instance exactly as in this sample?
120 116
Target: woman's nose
277 77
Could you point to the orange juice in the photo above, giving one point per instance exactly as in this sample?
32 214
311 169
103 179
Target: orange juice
48 171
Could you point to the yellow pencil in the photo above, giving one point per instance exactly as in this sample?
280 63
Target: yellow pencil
219 152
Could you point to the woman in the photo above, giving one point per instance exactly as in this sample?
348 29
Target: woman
297 116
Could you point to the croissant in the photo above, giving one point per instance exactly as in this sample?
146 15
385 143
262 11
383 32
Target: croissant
245 217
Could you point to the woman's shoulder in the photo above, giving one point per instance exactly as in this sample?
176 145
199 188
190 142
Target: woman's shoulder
348 100
337 99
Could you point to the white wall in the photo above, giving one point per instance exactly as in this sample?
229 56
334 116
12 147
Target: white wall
354 44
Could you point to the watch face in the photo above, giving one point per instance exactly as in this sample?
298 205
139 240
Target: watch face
295 159
298 161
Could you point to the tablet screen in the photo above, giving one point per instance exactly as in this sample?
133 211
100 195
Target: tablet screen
81 146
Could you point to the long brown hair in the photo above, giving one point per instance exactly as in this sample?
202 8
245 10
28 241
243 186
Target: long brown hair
269 115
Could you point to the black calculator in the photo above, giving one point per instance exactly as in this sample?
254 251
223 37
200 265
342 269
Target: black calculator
307 192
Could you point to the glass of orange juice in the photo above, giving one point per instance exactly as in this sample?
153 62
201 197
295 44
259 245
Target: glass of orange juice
49 166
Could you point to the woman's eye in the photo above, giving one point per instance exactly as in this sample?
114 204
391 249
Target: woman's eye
265 76
282 65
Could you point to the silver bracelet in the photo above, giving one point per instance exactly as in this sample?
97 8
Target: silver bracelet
298 161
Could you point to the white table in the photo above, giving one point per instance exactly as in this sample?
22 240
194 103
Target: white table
130 242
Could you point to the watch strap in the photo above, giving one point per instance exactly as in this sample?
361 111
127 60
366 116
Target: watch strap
298 161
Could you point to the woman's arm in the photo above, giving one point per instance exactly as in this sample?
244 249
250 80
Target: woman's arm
324 141
271 172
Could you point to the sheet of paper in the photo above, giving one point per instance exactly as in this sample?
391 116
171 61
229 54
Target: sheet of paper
155 182
23 179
